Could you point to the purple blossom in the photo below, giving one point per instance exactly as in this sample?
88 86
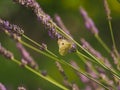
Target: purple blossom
11 28
41 15
61 25
97 54
6 53
90 71
24 53
87 46
61 70
88 22
118 88
108 12
82 77
88 88
26 58
53 34
43 46
2 87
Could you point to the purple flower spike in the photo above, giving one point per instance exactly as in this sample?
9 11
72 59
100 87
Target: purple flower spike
61 24
6 53
41 15
2 87
26 58
108 12
87 46
88 22
11 28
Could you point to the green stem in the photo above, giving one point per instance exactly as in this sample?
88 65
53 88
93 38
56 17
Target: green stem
40 75
80 54
112 36
84 60
102 43
114 44
26 37
90 77
92 68
37 44
97 60
62 62
53 53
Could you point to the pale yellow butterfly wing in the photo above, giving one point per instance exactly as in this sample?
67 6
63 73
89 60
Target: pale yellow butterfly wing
64 46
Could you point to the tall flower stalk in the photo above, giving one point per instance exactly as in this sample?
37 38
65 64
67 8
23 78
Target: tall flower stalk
27 58
97 67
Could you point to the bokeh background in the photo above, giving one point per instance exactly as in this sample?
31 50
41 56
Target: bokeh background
13 76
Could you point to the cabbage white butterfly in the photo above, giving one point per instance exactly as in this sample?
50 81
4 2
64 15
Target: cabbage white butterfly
64 46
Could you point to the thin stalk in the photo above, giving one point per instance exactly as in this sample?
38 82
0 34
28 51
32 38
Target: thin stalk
92 68
26 37
51 52
112 36
40 75
113 71
114 44
95 80
84 56
37 44
62 62
68 37
102 43
84 60
97 60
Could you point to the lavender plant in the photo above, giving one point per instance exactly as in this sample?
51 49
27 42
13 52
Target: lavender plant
98 72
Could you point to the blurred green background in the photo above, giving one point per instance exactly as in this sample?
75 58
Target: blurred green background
13 76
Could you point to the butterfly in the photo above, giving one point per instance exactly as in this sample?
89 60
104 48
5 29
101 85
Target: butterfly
64 46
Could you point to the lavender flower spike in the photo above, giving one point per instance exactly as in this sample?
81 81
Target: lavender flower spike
87 46
41 15
61 24
6 53
26 58
108 12
88 22
61 70
11 28
2 87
